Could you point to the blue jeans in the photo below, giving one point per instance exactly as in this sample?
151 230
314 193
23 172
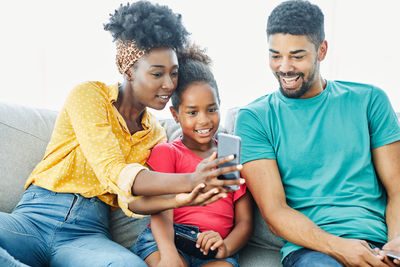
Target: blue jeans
61 229
309 258
145 245
8 260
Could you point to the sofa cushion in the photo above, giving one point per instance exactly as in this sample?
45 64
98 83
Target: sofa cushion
24 134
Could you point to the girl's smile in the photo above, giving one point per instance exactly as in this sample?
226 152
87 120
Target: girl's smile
198 116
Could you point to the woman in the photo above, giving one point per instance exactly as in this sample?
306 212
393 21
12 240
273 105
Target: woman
96 156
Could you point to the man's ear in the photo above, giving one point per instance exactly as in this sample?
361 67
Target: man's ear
174 114
322 50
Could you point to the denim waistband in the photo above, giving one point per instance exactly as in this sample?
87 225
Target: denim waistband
65 207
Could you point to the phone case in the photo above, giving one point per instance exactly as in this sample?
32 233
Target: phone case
229 145
392 254
188 245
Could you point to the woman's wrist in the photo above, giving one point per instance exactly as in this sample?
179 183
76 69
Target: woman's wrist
148 183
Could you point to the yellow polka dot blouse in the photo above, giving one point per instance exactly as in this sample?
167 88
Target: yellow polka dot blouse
91 151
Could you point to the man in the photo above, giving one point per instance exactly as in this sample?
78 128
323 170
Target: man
321 158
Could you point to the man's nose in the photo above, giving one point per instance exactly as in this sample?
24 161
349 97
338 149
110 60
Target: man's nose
286 65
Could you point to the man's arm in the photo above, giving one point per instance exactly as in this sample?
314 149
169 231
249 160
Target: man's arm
387 165
264 181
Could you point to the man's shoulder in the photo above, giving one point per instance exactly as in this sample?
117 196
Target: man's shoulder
357 87
356 92
261 104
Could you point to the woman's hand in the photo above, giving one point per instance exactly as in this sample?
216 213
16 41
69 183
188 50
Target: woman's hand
197 197
212 240
207 173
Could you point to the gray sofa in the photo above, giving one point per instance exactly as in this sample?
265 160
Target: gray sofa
24 134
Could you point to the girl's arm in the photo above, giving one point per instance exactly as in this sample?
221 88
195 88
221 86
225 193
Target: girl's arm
243 228
239 235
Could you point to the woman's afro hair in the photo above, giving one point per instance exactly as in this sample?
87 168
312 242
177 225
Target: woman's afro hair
149 25
194 67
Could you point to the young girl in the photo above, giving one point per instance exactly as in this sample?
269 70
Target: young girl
223 226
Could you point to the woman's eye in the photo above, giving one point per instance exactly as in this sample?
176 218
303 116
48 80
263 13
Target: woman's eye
157 74
174 74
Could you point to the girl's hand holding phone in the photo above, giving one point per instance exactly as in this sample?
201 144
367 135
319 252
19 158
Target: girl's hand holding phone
212 240
207 173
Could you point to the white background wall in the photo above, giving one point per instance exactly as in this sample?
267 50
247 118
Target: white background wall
48 46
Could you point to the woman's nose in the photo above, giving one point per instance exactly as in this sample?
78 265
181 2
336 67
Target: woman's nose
168 83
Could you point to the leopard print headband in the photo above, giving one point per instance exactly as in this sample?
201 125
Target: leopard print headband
127 55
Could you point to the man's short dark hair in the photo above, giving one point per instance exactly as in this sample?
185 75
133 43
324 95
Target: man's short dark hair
297 17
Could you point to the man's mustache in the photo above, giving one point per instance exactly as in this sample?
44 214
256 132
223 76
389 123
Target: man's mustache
288 74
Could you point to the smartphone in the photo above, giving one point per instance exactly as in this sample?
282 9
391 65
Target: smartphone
187 244
392 254
229 145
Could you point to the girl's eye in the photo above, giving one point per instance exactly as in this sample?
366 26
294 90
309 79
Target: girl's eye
213 110
157 74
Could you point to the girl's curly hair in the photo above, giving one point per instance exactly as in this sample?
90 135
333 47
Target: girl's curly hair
194 67
149 25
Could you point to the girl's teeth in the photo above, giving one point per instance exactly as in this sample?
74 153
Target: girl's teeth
203 131
163 96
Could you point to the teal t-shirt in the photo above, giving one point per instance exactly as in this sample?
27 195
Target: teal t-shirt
323 149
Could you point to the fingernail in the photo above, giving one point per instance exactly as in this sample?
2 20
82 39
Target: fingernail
197 246
224 196
239 167
202 185
215 191
231 157
212 248
242 181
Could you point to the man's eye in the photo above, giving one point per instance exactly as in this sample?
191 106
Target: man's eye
274 56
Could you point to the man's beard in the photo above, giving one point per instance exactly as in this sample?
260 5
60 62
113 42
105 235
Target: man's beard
306 85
